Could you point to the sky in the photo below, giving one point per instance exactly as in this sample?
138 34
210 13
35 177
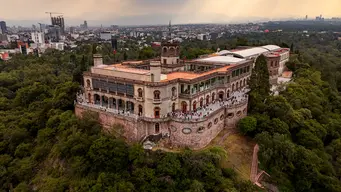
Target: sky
144 12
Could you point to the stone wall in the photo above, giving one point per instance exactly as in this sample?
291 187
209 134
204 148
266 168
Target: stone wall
133 130
195 134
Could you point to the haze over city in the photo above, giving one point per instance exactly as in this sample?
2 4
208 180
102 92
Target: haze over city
140 12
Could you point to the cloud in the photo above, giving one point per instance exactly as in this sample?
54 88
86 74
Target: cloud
156 11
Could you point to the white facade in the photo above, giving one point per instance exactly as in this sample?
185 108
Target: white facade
38 37
59 46
105 36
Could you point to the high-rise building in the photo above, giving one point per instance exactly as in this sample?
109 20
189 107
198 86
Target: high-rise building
60 22
85 25
38 37
72 30
114 43
54 33
3 27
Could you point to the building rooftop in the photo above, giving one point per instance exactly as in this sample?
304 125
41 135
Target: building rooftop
191 75
271 47
123 68
250 52
221 59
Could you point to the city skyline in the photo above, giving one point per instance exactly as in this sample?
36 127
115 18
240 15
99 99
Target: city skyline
146 12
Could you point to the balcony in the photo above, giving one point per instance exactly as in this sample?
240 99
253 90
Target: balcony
173 98
139 99
156 101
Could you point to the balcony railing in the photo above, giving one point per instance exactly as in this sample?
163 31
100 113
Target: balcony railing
156 101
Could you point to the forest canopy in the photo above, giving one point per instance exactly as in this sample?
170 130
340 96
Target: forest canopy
44 147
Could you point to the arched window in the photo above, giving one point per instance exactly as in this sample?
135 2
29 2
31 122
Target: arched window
89 98
157 128
213 97
221 95
97 99
172 51
173 107
156 94
184 106
232 87
139 91
241 83
157 112
237 85
244 82
194 105
140 110
207 99
88 83
164 49
173 91
228 94
201 102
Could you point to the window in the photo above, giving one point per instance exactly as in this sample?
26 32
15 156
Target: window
164 61
241 83
244 82
157 112
174 92
186 130
213 97
201 102
89 98
165 50
156 94
239 113
139 92
157 128
207 99
88 83
221 117
194 105
173 107
209 125
177 61
232 87
230 115
221 95
140 110
248 68
215 120
184 106
272 63
228 94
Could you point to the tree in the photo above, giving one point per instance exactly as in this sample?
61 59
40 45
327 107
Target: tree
259 84
247 125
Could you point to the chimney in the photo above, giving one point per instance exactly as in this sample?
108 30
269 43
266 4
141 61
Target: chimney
155 70
98 59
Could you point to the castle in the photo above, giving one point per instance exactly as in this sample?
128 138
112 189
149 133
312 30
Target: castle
185 103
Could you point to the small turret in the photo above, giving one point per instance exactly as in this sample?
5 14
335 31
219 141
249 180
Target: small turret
98 59
155 69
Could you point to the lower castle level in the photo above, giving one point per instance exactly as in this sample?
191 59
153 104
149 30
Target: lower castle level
174 129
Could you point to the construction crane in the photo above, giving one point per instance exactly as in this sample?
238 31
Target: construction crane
52 13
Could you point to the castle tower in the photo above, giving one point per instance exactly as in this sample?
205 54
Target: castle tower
170 53
170 50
